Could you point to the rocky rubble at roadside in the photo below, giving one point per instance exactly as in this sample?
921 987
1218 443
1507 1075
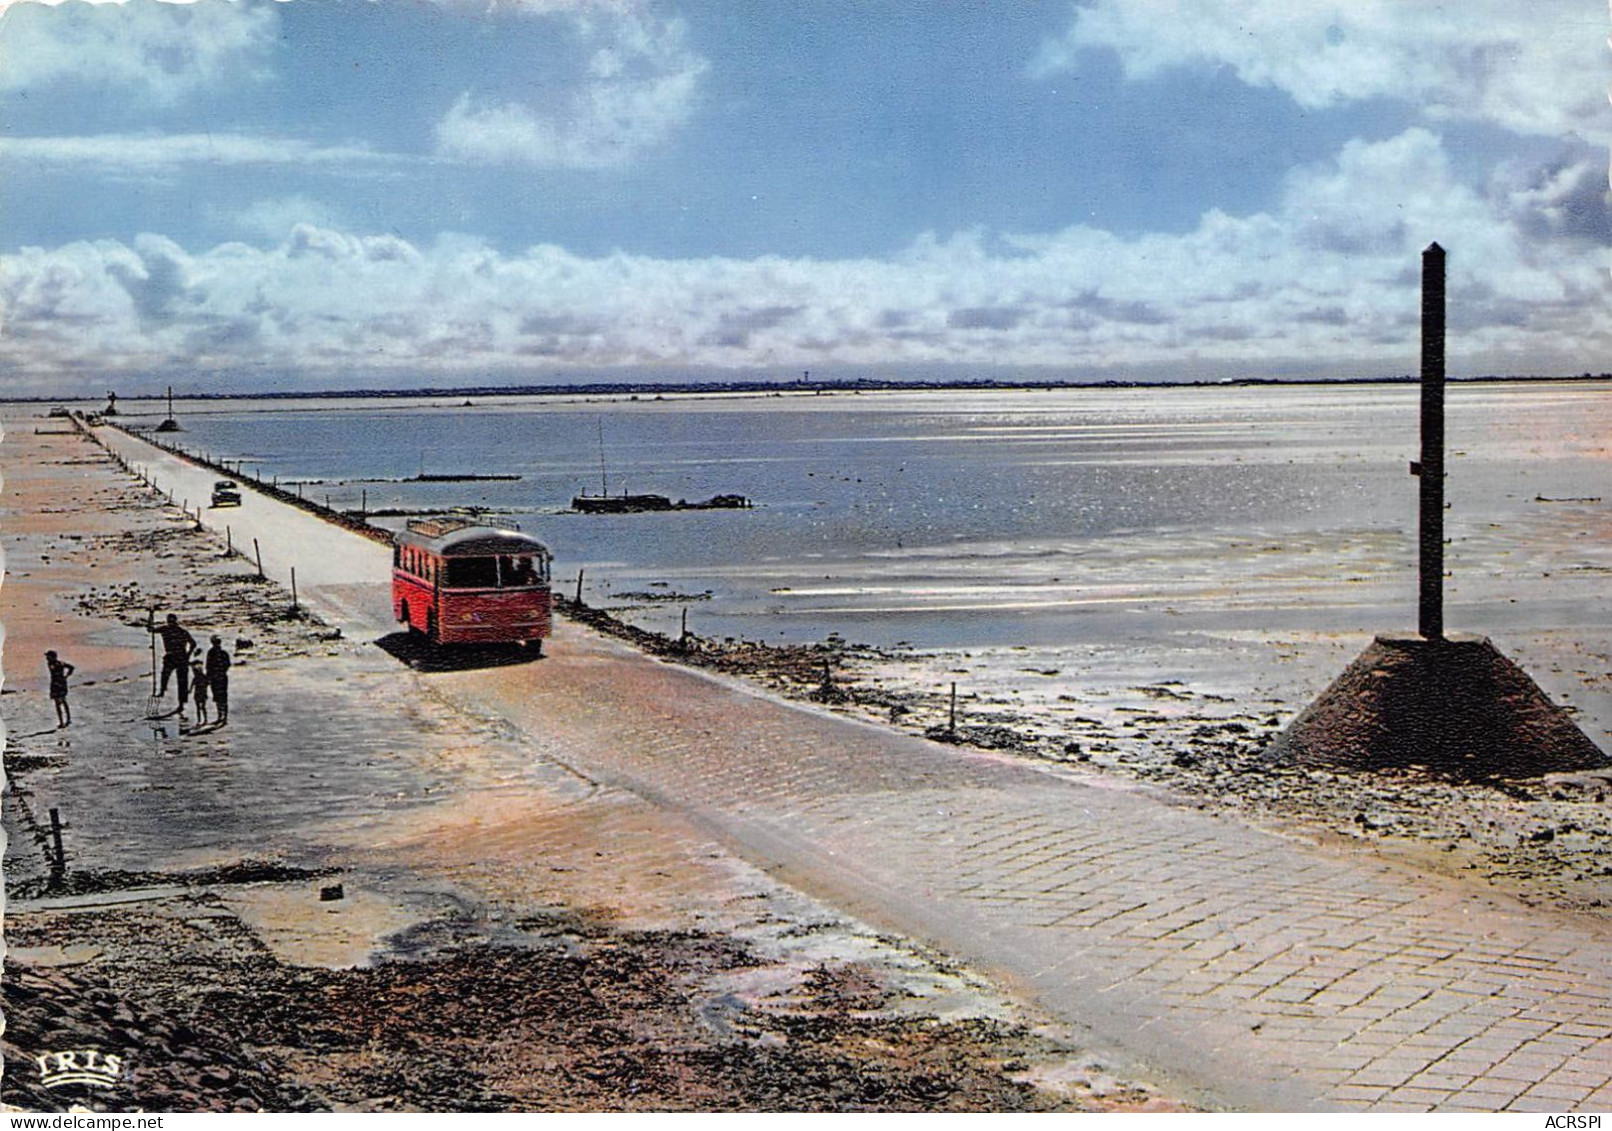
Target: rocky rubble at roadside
559 1014
211 592
164 1063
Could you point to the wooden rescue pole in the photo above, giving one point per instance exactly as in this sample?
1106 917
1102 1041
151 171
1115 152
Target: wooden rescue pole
1430 621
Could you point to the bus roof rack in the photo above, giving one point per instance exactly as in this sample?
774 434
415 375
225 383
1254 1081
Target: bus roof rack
460 538
437 527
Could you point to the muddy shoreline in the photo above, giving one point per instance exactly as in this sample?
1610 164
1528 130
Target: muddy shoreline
297 912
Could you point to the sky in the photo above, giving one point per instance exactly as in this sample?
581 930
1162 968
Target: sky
283 194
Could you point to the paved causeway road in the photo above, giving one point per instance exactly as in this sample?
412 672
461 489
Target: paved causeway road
1238 967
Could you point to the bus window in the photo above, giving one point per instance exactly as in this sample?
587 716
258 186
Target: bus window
517 572
472 573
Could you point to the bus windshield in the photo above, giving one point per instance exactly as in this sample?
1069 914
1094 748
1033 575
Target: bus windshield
471 573
506 571
517 571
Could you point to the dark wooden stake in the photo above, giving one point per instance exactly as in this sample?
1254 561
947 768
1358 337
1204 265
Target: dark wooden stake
1430 621
58 862
951 724
579 587
258 553
293 587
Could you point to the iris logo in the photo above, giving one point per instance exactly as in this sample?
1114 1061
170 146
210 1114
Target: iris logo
79 1066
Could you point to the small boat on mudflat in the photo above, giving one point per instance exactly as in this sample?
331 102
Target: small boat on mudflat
641 504
606 503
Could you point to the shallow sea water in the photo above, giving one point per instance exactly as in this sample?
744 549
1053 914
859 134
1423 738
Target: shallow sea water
962 518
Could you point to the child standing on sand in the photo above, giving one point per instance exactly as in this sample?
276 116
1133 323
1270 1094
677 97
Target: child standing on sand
198 683
59 671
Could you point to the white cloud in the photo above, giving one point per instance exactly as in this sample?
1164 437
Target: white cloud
159 153
164 51
636 84
544 7
1323 282
1535 68
273 217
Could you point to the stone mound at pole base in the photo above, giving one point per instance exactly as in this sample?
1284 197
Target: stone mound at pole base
1456 708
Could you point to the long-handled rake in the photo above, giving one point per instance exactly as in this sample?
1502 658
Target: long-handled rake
154 704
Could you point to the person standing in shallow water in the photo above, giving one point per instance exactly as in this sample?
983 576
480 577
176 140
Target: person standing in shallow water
217 671
177 647
59 671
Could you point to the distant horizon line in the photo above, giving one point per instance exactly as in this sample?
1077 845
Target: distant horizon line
754 385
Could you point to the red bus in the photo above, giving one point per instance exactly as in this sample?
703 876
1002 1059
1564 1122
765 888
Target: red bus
460 583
